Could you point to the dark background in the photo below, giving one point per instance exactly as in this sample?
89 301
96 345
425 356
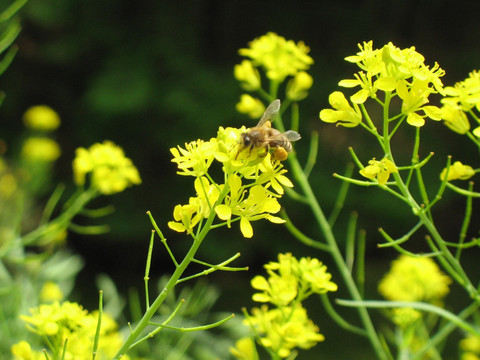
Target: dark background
153 74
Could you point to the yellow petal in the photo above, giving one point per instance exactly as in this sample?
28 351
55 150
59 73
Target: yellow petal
476 132
415 120
259 283
176 226
246 227
224 212
359 97
386 83
275 219
433 112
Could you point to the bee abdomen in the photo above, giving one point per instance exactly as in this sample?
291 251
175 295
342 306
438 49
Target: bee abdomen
284 143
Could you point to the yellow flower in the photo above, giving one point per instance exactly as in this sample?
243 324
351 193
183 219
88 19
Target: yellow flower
41 117
311 275
404 317
401 72
297 88
259 204
279 57
465 94
414 96
50 292
186 216
8 185
470 347
110 170
343 114
195 159
455 119
251 106
23 351
58 322
379 170
244 349
457 171
314 275
40 149
283 329
278 290
414 279
248 75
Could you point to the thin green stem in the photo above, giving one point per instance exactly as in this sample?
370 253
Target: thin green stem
338 318
312 154
301 236
360 268
465 223
77 203
342 195
336 254
376 304
150 312
99 325
146 278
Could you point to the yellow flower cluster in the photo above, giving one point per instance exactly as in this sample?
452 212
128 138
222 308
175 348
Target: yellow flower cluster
291 279
41 117
40 149
283 329
460 99
414 279
252 183
68 325
286 326
400 72
278 58
110 170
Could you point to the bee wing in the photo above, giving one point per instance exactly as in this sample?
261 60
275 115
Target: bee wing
292 135
270 113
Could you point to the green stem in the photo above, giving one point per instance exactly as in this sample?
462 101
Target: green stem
63 220
336 254
150 312
423 215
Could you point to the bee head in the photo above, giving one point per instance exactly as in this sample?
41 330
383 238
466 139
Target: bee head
246 140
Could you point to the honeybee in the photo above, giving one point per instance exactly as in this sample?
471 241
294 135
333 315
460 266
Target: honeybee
266 137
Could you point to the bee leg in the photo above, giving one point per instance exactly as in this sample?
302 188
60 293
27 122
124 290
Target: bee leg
267 150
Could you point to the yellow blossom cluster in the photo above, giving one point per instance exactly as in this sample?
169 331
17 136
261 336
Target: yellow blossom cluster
290 279
42 118
42 149
286 325
252 183
110 170
414 279
399 72
279 59
460 99
69 328
283 329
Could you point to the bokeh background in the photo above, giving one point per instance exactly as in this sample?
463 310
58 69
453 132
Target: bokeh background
153 74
